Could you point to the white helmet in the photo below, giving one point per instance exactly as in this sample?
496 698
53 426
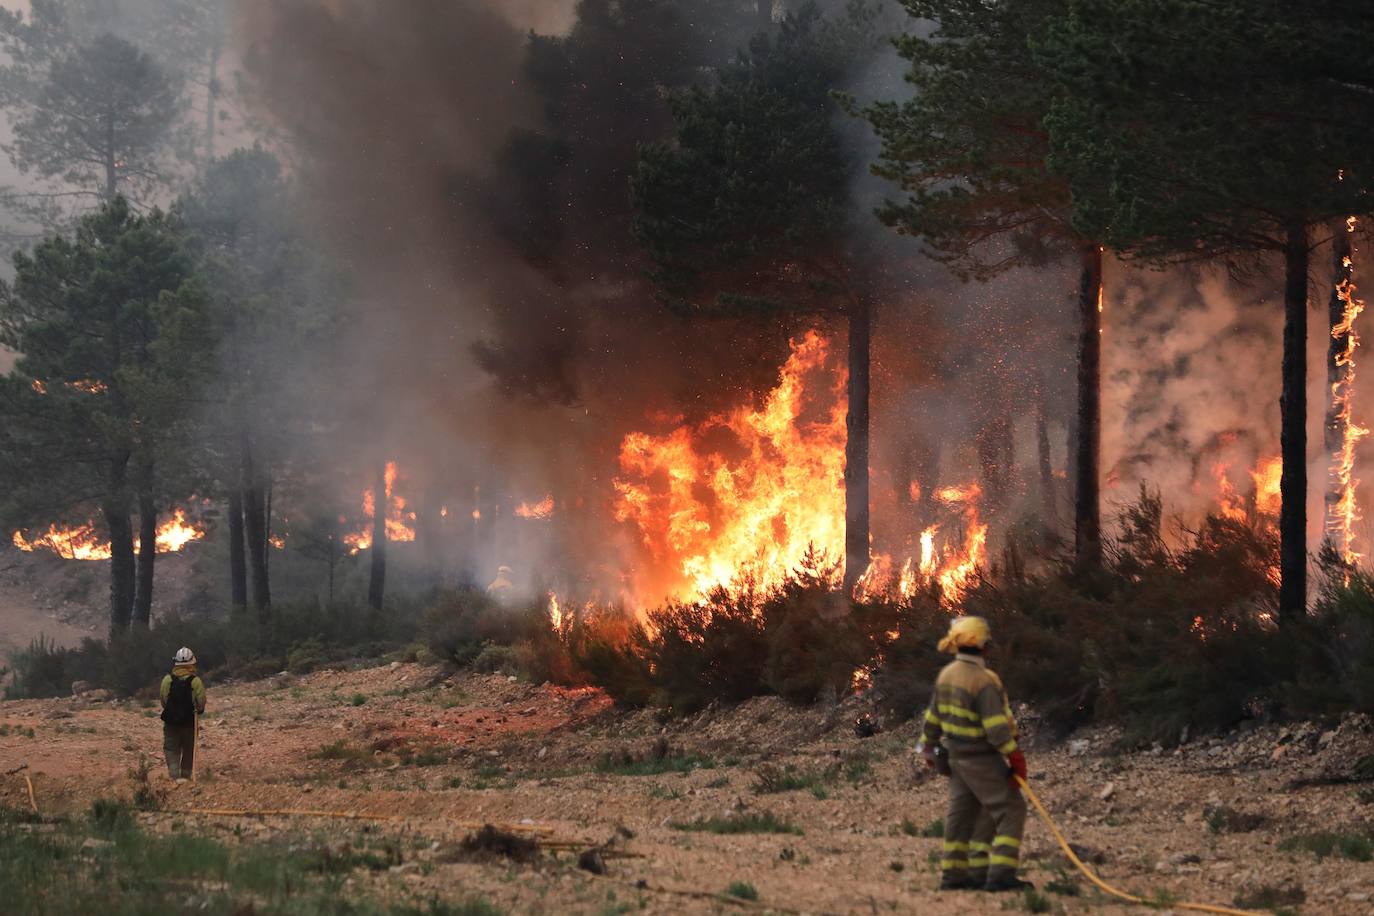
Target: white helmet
184 656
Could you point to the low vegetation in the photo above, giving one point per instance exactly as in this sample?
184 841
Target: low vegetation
1170 635
1356 846
742 822
106 863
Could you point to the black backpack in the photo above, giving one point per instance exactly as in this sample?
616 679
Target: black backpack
181 705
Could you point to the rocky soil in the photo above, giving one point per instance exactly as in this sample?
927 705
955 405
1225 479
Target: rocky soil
425 757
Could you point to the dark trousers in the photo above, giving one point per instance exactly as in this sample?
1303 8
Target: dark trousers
985 821
179 744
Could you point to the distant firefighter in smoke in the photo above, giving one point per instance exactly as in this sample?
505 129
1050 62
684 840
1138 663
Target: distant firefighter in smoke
502 585
970 736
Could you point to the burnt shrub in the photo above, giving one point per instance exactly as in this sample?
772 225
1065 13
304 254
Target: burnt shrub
815 637
240 646
1160 637
801 639
461 622
608 647
707 650
1336 662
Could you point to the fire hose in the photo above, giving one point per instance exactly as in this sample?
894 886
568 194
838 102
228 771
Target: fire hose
1103 885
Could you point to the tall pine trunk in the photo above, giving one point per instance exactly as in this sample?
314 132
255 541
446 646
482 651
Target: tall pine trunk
1293 431
376 584
856 445
211 98
238 562
255 531
1338 376
764 11
121 531
1048 504
1087 512
147 558
116 511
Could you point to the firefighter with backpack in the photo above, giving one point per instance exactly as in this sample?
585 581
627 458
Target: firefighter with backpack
183 702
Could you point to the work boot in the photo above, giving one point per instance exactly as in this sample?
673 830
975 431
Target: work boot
1003 883
958 883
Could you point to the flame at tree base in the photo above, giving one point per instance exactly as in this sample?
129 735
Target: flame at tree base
748 494
85 542
400 521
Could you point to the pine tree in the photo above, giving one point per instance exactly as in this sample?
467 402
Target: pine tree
110 329
1219 130
970 154
746 211
92 116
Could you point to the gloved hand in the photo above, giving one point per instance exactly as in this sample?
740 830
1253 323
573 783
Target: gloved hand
1016 761
927 754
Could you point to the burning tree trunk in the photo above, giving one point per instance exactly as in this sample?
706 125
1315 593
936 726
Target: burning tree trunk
1293 432
147 558
376 584
1088 432
255 528
238 564
856 446
1342 434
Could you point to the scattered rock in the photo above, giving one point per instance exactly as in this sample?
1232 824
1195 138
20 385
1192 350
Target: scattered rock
1088 854
1078 747
591 860
80 687
1107 791
1184 858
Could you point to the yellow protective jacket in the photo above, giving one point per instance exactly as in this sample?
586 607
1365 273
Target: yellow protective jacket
968 709
197 686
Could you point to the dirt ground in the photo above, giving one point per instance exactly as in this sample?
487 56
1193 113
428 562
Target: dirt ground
435 755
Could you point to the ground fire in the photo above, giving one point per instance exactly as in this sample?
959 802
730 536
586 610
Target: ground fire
400 521
85 542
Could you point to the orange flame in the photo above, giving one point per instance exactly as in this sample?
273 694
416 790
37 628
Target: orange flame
83 542
400 523
1343 513
541 509
950 565
745 492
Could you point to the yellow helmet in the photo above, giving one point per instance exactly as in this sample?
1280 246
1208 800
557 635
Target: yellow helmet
965 633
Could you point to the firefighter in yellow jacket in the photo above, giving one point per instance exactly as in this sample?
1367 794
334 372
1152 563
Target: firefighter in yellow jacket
970 721
183 701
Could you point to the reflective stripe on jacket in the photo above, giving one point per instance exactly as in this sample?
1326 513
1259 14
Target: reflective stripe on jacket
969 709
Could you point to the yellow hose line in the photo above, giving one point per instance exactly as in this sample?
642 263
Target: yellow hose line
32 804
1103 885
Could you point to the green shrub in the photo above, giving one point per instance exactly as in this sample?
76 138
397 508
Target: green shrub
660 759
743 890
1271 897
1160 638
494 659
770 778
301 636
745 822
461 622
1322 844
